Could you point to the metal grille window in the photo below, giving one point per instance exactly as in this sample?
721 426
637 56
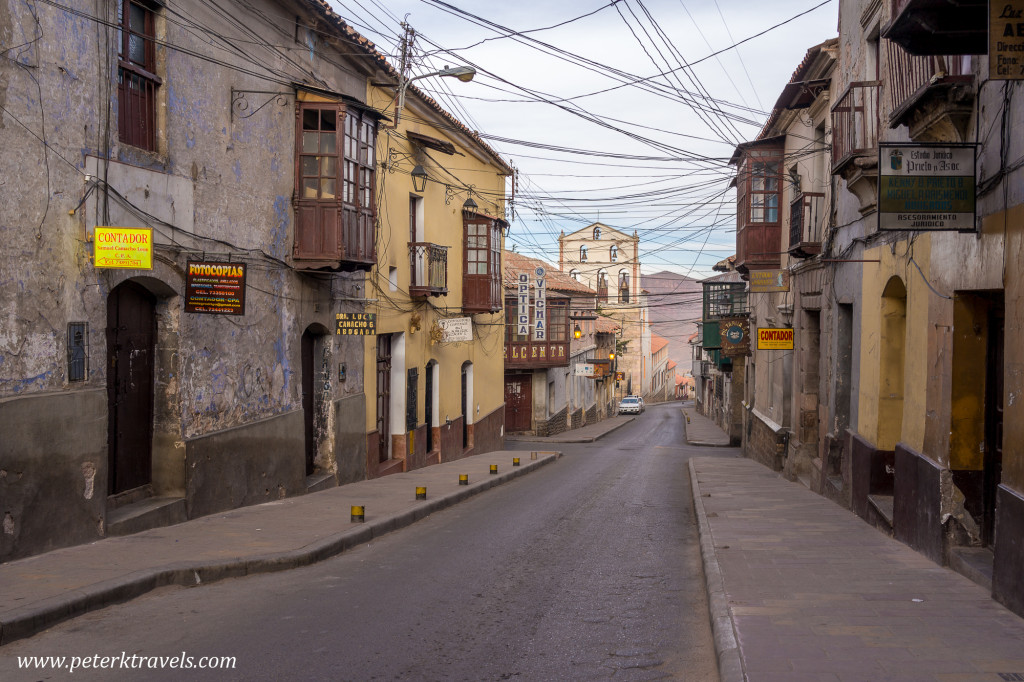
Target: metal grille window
78 356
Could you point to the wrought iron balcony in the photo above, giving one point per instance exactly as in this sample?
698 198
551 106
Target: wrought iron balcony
925 27
429 263
855 124
807 216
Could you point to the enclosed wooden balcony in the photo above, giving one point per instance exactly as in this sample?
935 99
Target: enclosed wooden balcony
855 141
429 269
932 95
931 27
807 214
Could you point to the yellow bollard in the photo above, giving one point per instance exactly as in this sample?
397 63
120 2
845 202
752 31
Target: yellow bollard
515 461
463 479
494 468
358 513
421 492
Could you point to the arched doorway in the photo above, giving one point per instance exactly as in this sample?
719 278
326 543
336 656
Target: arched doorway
891 362
131 344
315 378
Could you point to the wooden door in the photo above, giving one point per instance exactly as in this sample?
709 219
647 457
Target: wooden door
428 405
384 395
131 344
518 402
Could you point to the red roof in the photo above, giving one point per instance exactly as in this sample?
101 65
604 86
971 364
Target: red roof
657 343
556 280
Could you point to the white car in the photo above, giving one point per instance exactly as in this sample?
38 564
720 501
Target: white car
631 404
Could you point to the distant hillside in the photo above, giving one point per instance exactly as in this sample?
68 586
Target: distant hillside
675 303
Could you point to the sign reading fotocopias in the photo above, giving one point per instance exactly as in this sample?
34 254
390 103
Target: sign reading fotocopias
215 288
774 339
926 187
123 247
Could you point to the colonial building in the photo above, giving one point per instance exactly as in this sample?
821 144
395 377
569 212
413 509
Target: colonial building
608 261
555 378
434 364
908 295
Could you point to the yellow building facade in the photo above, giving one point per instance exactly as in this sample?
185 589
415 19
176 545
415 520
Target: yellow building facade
433 372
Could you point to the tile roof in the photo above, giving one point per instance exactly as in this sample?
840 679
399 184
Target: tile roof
557 280
657 343
606 325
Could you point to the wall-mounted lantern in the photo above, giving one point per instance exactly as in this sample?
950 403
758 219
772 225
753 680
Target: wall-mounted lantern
419 178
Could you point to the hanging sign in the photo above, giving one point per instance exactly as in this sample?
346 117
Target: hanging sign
540 312
523 313
356 324
735 336
215 288
767 281
774 339
926 187
1005 40
123 247
583 369
456 329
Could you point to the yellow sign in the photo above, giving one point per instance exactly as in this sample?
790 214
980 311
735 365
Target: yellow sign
766 281
1006 40
774 339
123 247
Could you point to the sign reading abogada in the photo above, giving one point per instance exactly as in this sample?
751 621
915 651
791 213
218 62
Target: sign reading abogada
356 324
769 338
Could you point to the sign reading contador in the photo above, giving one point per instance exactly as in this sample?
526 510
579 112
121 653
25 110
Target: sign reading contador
123 247
774 339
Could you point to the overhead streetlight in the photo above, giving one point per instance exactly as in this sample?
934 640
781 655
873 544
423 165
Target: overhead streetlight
463 73
419 178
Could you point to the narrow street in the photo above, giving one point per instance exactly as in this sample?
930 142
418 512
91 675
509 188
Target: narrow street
587 569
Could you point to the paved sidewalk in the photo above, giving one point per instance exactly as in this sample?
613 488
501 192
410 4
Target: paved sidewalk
584 434
700 430
801 589
40 591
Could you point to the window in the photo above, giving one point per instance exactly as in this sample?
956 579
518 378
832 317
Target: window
583 254
335 207
482 290
558 321
597 233
136 81
613 253
764 190
575 274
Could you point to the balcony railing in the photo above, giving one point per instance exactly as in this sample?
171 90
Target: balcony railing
855 124
429 263
939 26
806 220
911 76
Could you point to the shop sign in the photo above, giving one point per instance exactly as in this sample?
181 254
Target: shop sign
523 312
123 247
620 376
926 187
456 329
540 312
768 281
585 370
1005 40
215 288
770 338
356 324
735 336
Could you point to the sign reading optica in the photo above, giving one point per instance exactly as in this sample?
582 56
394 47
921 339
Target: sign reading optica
356 324
123 247
769 338
215 288
926 187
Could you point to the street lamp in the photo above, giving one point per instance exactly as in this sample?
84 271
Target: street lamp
419 178
463 73
577 333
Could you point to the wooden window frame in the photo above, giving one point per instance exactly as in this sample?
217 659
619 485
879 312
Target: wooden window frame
137 82
481 291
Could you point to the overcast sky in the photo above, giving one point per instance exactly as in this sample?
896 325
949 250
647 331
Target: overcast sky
648 156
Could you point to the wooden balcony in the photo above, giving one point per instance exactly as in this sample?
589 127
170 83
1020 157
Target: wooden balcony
807 216
933 27
429 269
932 95
855 142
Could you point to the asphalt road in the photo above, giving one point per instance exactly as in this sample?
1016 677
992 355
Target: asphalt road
588 569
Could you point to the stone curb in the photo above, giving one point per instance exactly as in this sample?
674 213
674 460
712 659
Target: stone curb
34 618
548 439
730 663
698 443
